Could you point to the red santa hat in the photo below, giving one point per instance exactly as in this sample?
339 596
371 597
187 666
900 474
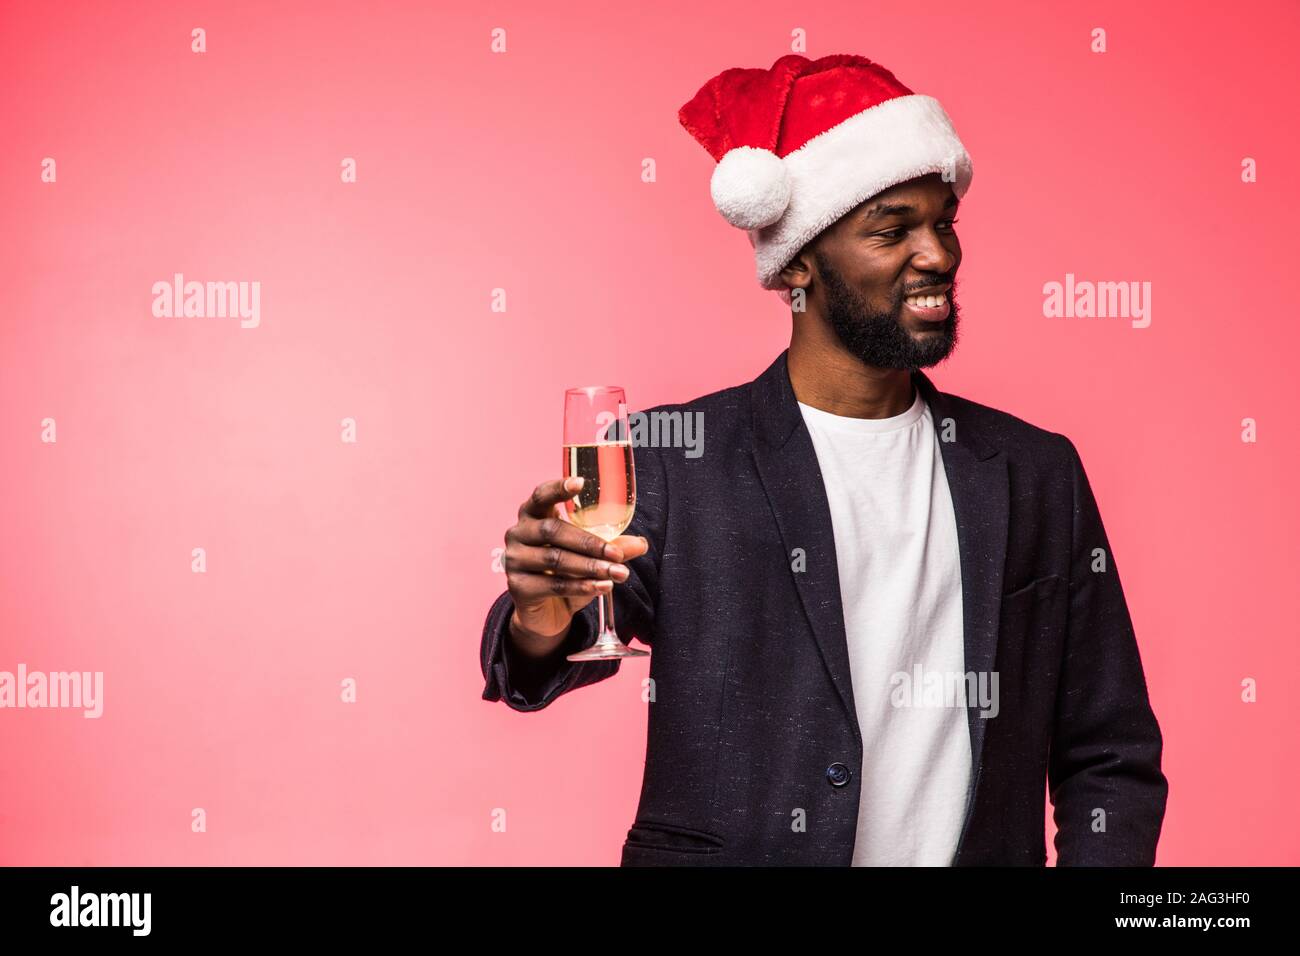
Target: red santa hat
805 142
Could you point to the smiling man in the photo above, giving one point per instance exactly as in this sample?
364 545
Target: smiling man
881 281
883 617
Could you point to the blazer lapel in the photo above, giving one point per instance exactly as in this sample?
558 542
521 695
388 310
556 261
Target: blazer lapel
977 480
787 466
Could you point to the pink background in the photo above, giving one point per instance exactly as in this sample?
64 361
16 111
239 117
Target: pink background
521 171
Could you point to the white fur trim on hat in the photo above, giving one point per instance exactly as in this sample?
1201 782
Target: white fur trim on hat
898 140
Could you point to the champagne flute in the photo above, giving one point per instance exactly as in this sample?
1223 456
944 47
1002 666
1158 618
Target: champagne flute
598 448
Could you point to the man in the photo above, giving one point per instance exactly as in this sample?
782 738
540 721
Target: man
882 616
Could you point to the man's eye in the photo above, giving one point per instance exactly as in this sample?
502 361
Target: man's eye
899 233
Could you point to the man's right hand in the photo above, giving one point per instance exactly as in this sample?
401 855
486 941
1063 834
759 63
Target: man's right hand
554 569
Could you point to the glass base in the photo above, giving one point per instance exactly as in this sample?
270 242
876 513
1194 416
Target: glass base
605 652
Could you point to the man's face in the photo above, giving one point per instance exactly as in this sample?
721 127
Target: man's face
864 268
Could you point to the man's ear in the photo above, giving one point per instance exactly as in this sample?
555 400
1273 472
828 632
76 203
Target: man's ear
798 274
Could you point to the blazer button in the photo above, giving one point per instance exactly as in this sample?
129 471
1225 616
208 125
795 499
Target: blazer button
838 774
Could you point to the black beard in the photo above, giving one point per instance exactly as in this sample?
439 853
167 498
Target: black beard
878 338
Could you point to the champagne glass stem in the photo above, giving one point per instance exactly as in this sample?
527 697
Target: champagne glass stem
607 636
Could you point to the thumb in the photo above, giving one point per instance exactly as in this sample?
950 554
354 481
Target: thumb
632 545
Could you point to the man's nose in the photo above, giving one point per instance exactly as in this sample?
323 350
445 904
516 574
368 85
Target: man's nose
932 256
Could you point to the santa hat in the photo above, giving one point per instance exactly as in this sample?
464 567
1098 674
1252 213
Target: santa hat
805 142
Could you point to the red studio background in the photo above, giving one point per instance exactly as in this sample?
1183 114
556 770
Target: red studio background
372 561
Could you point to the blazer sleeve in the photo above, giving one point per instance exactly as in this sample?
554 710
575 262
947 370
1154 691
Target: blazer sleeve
1106 744
527 684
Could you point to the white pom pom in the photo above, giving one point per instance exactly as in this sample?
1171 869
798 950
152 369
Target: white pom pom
750 187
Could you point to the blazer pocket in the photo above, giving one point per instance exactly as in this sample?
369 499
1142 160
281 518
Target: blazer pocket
1041 586
650 835
1029 616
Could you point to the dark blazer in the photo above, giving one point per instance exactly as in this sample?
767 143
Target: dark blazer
752 719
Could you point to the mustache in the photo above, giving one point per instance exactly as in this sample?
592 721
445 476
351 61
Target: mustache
948 281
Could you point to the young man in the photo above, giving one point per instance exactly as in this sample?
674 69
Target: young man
882 616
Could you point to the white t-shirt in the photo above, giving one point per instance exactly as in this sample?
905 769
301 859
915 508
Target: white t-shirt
900 584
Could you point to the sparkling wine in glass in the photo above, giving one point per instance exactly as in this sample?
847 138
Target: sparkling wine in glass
597 448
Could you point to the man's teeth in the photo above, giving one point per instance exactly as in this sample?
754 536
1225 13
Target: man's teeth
926 301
